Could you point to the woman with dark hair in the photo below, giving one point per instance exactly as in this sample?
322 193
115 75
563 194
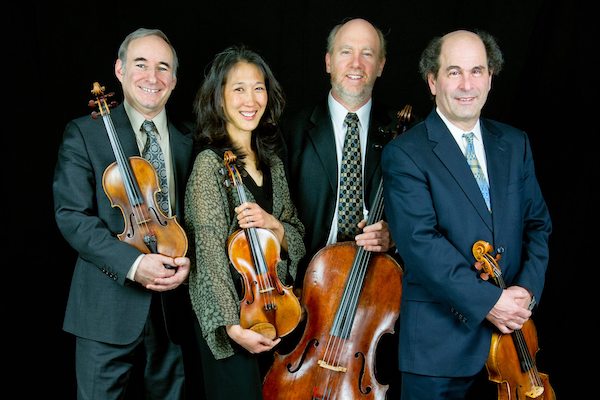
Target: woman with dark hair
237 109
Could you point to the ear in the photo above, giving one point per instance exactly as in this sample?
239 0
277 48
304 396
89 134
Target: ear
381 65
119 70
431 83
328 62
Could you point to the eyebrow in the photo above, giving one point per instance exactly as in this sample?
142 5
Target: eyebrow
145 59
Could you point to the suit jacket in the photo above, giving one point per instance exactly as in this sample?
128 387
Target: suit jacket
313 173
103 305
436 213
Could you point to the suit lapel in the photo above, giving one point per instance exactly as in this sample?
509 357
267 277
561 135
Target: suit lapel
496 154
448 152
323 142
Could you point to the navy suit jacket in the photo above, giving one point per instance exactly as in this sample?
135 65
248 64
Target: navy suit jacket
312 166
103 305
436 213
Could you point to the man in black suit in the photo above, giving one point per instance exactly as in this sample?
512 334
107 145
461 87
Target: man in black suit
314 140
123 303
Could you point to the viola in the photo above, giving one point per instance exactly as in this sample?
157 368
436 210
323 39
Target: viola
267 307
351 297
511 362
131 185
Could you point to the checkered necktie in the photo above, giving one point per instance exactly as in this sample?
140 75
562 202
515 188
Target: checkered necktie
476 169
350 209
154 155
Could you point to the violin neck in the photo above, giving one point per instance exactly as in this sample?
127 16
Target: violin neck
132 188
252 236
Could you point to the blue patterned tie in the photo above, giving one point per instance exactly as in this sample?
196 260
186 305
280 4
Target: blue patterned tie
350 209
154 155
476 169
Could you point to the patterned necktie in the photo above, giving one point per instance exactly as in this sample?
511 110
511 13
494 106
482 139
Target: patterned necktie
476 169
154 155
350 209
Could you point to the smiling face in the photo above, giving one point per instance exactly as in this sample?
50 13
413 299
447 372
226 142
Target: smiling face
244 98
354 63
147 75
463 81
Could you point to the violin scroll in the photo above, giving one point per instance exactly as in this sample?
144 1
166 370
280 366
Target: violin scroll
486 263
100 101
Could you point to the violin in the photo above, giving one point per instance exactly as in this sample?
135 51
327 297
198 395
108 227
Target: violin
132 184
267 307
511 362
351 297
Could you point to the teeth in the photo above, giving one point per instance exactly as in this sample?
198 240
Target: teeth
355 76
150 90
248 113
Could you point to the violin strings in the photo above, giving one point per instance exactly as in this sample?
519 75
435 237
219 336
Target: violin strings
255 249
517 335
132 190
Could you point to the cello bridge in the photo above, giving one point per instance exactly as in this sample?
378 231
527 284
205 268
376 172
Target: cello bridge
535 392
324 364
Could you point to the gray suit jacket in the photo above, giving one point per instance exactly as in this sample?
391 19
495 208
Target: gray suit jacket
103 305
436 213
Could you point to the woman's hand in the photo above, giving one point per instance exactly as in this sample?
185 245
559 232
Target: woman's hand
250 340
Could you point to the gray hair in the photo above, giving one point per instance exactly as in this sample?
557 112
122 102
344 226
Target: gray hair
143 32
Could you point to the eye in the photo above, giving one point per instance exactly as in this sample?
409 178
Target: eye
477 71
141 65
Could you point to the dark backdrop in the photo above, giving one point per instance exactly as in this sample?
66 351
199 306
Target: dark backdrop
59 50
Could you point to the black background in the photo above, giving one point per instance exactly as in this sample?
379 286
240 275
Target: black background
545 88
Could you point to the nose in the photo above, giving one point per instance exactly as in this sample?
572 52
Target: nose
249 97
466 83
151 75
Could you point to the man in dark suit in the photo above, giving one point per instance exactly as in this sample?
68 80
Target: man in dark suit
314 140
123 303
440 199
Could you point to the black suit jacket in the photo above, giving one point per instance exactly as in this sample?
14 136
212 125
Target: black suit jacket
103 305
313 173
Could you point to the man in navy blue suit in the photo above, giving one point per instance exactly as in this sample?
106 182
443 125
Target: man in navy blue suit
436 212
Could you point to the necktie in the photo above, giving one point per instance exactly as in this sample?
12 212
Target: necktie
476 169
154 155
350 209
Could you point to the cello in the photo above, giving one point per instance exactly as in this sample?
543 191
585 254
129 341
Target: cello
131 185
511 362
351 297
267 307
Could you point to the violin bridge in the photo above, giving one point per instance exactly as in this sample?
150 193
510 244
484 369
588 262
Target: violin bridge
324 364
269 289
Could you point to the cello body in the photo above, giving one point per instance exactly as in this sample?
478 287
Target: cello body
512 382
332 364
